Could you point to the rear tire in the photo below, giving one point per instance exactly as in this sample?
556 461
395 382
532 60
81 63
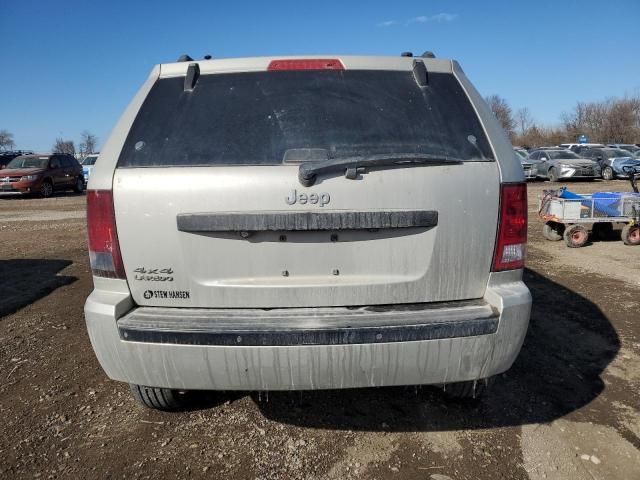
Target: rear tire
553 175
631 234
470 389
46 189
608 173
576 236
79 186
157 398
553 231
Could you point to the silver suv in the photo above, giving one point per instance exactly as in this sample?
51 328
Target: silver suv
299 223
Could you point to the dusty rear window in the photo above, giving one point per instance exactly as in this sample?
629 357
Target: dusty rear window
255 118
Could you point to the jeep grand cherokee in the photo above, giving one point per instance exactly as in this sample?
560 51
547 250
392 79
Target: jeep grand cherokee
306 223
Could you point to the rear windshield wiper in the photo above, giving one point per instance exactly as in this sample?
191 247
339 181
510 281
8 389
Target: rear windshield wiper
308 171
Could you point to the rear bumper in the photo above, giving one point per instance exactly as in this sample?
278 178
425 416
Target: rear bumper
301 349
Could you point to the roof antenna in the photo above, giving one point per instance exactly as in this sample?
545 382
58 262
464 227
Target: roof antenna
190 79
185 58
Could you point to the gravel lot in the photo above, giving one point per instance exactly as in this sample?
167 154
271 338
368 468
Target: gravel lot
569 407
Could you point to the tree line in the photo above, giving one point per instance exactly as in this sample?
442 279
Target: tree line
88 144
614 120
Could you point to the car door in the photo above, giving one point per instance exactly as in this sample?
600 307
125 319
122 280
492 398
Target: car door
535 158
597 155
545 161
69 165
56 171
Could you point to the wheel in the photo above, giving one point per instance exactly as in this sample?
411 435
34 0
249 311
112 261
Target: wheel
553 231
157 398
553 175
79 186
631 234
468 389
46 189
608 173
576 236
602 230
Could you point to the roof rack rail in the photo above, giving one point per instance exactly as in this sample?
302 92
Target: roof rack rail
406 54
428 54
185 58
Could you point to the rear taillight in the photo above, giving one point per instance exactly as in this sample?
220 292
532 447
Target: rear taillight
104 251
511 241
306 64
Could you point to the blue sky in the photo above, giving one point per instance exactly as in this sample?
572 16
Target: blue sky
68 66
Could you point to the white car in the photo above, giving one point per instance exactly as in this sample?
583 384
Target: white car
298 223
576 146
87 166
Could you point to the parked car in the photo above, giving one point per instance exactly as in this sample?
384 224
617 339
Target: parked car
612 161
578 147
296 227
630 147
87 165
43 174
561 163
581 149
523 153
6 157
529 169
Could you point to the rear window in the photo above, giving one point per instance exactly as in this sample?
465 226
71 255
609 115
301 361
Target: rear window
255 118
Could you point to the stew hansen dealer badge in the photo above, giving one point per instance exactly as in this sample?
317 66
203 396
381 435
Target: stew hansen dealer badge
166 294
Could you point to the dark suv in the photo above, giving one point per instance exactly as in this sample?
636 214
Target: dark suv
42 174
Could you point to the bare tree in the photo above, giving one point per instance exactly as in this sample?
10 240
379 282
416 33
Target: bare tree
524 120
503 113
88 143
611 120
620 124
6 140
64 146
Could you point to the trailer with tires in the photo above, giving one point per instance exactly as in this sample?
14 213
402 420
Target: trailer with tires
571 217
568 216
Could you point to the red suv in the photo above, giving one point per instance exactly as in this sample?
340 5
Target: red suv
42 174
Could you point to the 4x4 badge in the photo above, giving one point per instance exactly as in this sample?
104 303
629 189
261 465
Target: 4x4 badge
321 199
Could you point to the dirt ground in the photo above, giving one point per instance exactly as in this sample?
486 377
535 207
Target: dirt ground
568 408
